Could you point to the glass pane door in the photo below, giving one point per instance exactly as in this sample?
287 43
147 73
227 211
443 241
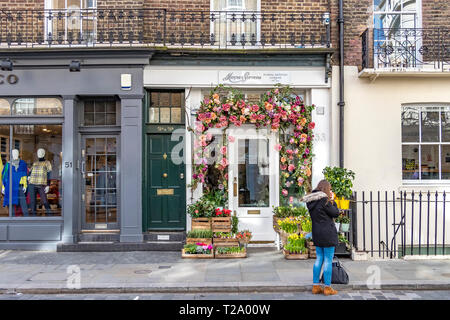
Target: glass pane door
100 182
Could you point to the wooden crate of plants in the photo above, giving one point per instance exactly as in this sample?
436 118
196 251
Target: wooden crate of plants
221 224
201 224
230 253
224 239
295 256
185 255
194 251
199 236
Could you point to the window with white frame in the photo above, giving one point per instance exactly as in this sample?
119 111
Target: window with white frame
74 18
236 21
426 142
395 44
395 14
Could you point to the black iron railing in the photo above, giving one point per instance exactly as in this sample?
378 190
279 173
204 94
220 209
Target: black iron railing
408 48
391 225
159 27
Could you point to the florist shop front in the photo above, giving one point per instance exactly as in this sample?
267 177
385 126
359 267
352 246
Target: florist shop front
254 134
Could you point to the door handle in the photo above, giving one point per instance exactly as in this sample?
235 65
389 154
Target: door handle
235 188
83 167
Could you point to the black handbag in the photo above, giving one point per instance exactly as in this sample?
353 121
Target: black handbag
338 275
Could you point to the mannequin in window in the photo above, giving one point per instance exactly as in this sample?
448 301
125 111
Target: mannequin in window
39 182
18 183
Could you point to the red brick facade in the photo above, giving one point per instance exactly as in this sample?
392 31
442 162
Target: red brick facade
358 16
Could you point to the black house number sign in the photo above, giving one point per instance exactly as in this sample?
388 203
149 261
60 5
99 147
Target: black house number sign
68 164
9 79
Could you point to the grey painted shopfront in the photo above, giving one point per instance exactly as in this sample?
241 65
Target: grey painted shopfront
97 109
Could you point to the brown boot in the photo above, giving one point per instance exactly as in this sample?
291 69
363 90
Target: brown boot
329 291
317 289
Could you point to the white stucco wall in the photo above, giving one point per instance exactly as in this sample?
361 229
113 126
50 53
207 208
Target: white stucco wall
372 131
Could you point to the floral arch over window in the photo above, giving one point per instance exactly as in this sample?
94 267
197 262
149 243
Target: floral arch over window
280 110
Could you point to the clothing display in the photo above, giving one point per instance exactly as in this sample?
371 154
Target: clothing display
17 182
39 179
41 190
40 172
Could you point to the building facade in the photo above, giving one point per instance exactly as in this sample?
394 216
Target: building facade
110 89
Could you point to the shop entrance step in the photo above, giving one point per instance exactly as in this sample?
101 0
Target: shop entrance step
164 236
119 246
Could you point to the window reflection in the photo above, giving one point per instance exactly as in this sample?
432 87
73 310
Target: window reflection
4 107
37 106
253 172
410 162
410 125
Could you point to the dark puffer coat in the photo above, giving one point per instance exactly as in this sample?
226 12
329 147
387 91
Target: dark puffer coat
322 211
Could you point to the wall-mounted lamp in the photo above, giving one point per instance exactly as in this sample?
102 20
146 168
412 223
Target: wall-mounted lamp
6 65
75 66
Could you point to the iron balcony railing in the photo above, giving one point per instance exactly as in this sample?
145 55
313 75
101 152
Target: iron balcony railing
408 48
160 27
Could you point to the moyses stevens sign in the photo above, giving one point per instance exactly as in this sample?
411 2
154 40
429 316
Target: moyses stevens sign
254 77
8 79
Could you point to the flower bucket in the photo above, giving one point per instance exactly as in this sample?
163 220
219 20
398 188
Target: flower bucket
338 202
337 224
344 204
345 227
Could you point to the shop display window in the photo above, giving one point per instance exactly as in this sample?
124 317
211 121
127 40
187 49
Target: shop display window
31 161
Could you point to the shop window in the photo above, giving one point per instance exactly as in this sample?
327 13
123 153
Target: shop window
166 107
33 187
101 112
426 143
37 106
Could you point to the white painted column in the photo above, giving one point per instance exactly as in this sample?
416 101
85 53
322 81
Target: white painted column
322 142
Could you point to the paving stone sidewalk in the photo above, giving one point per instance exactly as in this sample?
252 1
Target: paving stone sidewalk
265 270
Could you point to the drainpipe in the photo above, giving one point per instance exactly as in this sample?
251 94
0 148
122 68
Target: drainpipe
341 103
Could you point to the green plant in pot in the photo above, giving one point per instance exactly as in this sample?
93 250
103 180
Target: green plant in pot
344 221
341 181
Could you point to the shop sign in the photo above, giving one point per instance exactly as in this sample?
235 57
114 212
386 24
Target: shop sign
9 79
254 77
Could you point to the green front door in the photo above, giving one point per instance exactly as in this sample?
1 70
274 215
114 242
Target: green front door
165 190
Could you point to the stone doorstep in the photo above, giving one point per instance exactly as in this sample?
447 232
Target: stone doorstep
228 287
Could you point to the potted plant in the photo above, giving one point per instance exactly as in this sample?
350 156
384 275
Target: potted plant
199 236
295 249
198 250
244 237
344 220
343 244
341 181
290 211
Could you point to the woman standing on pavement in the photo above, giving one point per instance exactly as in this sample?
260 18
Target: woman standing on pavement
323 209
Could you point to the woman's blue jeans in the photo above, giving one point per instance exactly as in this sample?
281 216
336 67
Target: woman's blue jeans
325 259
